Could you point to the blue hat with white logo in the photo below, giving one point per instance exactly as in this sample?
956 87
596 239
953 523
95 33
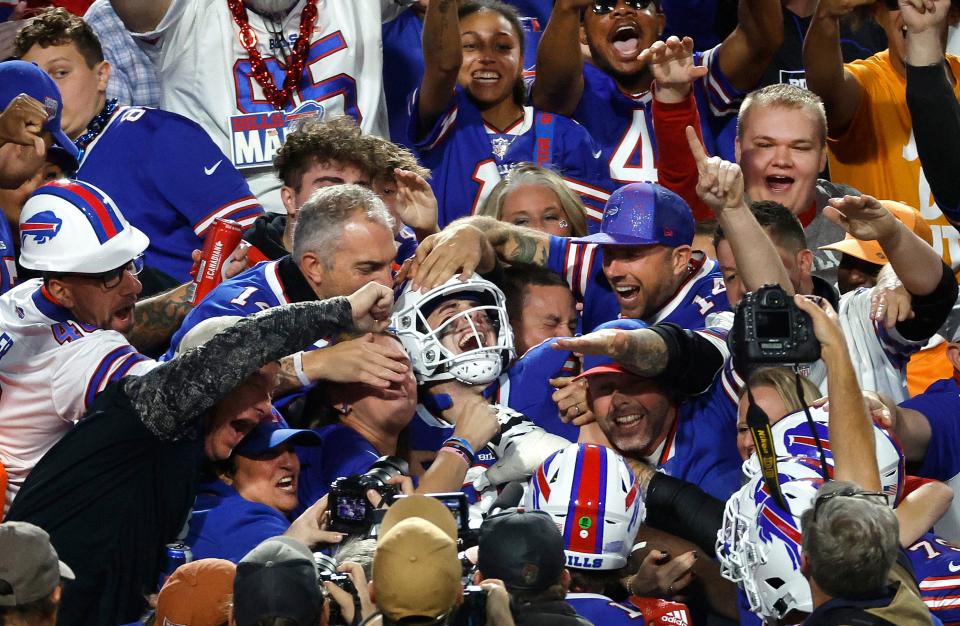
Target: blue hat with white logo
17 77
641 214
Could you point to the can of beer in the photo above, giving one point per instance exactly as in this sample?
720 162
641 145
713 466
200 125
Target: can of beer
222 239
175 555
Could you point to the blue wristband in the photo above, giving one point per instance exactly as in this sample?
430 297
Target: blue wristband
463 442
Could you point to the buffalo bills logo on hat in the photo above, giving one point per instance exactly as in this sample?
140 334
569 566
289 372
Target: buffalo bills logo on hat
611 210
51 105
43 227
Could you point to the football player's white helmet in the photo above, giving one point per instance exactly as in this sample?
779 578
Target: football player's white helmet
476 360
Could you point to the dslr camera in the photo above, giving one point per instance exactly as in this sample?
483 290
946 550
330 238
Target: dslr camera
473 610
769 328
350 511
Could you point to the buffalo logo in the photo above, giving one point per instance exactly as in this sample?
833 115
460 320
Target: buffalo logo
43 227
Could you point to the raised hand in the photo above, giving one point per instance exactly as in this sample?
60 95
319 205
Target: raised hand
864 217
720 183
609 342
671 63
416 204
22 123
358 361
922 15
460 249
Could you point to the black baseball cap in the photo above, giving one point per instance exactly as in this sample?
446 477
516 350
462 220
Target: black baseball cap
278 578
524 549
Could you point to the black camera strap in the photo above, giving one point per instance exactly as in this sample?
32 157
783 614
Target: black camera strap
813 427
759 424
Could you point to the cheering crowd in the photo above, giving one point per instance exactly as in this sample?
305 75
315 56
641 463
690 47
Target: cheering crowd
466 312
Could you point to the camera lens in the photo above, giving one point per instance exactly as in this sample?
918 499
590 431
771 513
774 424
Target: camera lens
385 468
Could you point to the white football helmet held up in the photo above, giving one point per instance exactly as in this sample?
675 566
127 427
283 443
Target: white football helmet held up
591 494
476 359
793 437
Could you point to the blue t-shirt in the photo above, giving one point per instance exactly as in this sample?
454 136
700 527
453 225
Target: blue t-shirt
940 404
468 158
581 265
622 124
224 525
170 180
342 452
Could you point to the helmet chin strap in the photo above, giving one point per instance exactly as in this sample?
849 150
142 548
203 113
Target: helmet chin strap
270 7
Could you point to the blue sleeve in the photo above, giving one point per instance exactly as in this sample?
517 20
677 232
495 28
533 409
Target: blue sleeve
8 257
557 255
584 171
198 179
237 526
342 453
941 410
434 136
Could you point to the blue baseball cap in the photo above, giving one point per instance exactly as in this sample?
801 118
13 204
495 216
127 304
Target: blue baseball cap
17 77
641 214
273 433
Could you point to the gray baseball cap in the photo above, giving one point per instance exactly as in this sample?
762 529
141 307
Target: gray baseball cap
29 565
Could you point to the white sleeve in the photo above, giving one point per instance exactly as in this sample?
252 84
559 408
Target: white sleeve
180 18
87 367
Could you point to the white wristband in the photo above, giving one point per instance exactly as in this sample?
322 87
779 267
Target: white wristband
298 370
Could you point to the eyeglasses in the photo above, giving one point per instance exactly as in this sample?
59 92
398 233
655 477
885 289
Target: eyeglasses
112 278
602 7
880 498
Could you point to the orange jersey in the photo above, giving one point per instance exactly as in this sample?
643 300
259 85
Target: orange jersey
877 153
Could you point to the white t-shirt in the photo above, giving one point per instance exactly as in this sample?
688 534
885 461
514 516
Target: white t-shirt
205 75
51 369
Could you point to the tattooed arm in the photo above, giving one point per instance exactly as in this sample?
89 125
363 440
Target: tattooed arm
156 319
683 360
473 244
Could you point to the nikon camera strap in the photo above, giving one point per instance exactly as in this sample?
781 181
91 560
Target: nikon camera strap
759 425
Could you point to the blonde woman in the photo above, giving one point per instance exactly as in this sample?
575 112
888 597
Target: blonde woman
537 198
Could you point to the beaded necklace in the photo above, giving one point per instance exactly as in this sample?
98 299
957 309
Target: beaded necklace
95 127
248 39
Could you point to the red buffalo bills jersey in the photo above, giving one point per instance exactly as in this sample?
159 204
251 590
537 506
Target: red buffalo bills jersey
468 158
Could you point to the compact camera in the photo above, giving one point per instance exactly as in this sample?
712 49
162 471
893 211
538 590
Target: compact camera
327 572
350 511
769 328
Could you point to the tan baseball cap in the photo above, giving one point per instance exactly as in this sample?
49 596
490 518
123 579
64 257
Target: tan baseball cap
870 251
416 572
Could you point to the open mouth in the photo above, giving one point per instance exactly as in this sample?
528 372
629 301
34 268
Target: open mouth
470 341
123 315
628 421
485 76
626 40
287 484
779 183
627 293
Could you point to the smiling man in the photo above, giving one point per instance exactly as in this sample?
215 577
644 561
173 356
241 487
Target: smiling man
782 148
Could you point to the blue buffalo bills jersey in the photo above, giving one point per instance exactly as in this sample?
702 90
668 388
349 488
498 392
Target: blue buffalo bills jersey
468 158
169 180
702 294
936 564
599 609
622 124
526 388
259 288
8 257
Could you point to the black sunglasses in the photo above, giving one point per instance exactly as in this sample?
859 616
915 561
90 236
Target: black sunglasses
602 7
879 498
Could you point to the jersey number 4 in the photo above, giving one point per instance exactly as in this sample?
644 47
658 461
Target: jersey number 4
309 88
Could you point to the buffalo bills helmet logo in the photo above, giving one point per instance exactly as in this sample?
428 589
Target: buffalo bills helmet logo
43 227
